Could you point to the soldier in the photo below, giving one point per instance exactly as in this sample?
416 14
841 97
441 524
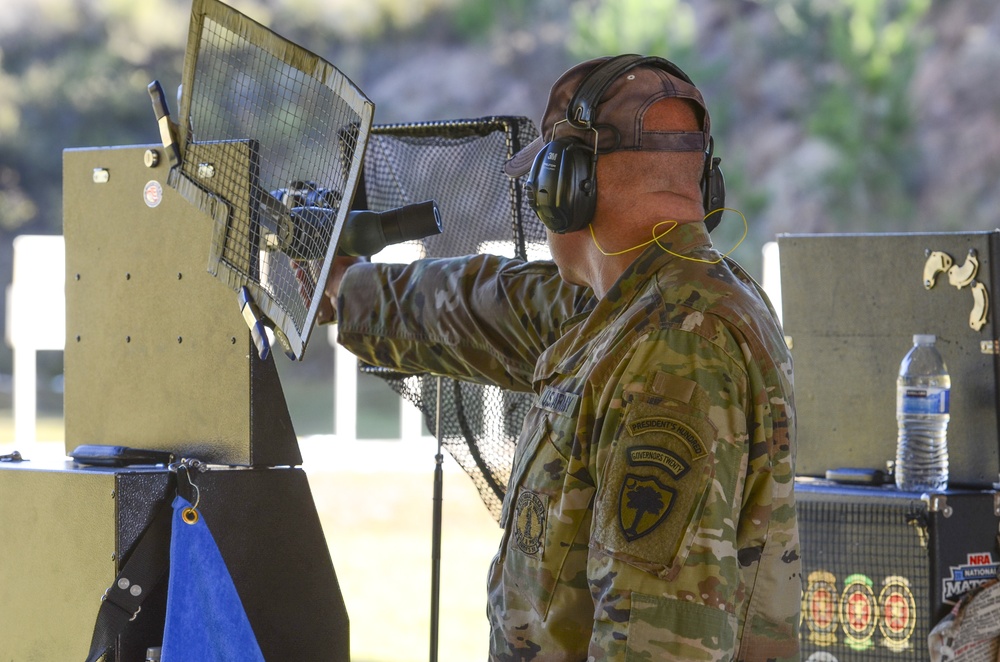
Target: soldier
650 510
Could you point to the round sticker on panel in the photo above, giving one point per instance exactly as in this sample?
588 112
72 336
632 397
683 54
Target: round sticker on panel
152 194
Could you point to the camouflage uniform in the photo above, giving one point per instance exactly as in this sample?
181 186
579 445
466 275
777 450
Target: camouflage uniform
650 511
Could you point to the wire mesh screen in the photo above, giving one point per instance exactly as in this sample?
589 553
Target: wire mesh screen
458 164
269 129
867 592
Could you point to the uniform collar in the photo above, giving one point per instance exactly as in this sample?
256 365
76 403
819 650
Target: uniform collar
686 241
678 244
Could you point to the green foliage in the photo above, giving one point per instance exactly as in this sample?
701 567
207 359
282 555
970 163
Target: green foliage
863 54
316 23
476 19
647 27
74 74
77 80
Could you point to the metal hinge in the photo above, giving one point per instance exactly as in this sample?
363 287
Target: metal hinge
938 503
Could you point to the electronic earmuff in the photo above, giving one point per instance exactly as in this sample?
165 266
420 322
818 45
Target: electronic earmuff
561 185
713 187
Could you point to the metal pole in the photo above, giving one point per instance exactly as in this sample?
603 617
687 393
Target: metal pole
436 530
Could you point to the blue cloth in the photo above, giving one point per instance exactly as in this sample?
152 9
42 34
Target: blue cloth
205 618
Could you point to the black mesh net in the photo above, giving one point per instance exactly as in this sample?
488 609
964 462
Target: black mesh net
458 164
267 124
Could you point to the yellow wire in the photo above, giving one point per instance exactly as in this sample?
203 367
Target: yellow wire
656 239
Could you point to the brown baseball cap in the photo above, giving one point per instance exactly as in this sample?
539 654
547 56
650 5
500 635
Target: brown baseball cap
618 114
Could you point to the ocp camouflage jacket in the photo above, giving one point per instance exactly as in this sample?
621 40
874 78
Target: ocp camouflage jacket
650 511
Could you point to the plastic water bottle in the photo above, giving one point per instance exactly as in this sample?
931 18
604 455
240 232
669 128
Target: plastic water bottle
923 391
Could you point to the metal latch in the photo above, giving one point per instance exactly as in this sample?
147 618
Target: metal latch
960 276
937 262
938 503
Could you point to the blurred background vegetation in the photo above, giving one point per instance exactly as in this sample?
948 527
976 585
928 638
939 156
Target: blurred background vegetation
830 115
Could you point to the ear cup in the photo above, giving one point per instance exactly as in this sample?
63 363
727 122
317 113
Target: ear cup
562 185
713 188
582 111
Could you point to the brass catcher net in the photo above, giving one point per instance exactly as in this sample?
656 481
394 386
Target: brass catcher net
262 120
458 164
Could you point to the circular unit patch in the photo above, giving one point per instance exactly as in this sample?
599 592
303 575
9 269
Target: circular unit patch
529 523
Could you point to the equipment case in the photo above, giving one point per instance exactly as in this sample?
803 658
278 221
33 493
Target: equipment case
851 304
69 531
881 567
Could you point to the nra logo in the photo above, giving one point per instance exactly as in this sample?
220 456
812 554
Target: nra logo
978 569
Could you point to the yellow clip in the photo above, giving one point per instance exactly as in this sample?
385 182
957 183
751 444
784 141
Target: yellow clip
937 262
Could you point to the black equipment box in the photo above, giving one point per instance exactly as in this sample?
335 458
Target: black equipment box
851 304
881 567
70 530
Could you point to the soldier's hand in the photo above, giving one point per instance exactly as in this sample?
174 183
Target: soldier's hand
326 313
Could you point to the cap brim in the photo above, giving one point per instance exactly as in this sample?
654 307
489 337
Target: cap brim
521 162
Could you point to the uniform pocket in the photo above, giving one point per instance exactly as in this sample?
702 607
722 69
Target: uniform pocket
667 629
543 513
525 450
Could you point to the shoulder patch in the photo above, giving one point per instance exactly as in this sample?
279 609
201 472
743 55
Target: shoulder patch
643 505
529 523
651 456
671 426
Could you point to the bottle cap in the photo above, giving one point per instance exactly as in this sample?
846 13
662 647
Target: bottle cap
924 339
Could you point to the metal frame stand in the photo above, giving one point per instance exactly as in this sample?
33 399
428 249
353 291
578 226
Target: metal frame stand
436 530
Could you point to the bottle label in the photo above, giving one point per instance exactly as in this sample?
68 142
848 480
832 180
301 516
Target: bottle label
924 401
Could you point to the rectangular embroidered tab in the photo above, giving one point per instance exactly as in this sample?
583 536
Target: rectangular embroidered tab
557 401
